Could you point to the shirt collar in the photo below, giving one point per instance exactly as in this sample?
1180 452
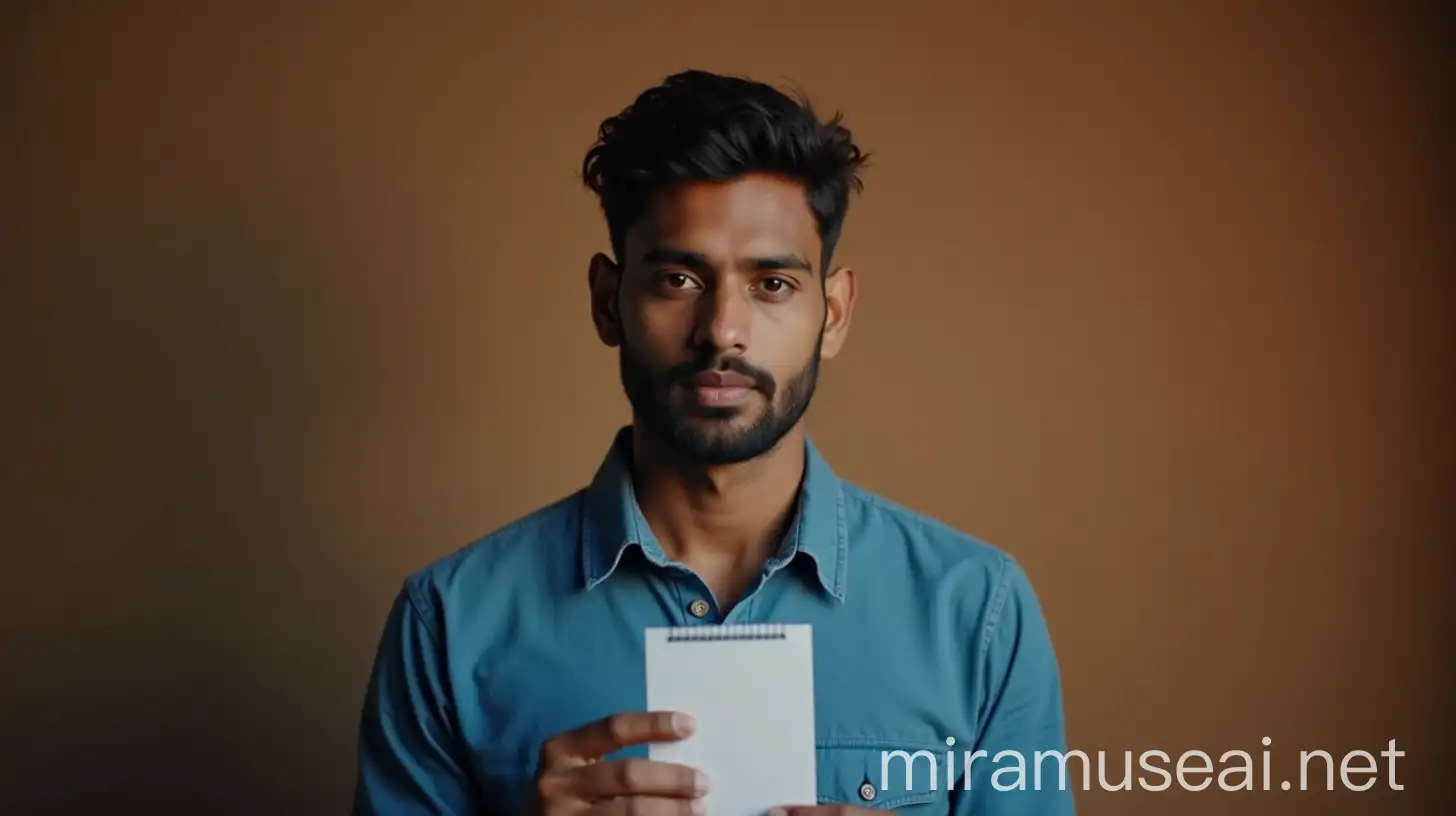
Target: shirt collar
613 522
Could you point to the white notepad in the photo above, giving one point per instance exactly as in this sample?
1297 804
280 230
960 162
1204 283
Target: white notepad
751 689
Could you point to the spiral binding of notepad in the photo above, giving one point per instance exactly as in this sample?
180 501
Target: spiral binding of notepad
736 631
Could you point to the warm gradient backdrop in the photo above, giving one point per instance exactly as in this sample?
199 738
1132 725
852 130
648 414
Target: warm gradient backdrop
1156 298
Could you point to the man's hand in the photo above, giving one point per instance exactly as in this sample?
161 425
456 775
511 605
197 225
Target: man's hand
573 780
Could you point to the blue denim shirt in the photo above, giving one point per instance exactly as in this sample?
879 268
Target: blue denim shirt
922 635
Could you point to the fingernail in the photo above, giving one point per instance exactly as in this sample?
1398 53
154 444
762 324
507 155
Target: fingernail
682 723
700 783
700 808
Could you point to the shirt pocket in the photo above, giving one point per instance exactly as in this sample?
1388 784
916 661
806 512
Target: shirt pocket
870 774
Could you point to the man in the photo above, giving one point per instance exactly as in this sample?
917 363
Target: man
510 675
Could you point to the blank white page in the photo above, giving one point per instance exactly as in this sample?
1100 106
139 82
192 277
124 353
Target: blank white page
751 689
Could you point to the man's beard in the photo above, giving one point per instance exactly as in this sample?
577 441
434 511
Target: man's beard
710 436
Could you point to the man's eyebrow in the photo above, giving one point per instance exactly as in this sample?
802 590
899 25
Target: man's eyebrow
697 260
676 257
789 262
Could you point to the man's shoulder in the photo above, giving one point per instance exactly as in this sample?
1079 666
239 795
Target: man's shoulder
925 538
519 551
986 581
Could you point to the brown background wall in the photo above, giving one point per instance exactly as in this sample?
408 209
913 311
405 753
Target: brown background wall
294 302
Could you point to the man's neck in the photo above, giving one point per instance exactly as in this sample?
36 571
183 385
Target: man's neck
730 517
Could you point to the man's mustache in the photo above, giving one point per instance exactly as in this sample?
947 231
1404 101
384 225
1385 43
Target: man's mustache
762 380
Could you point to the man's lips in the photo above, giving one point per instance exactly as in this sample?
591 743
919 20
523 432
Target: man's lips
723 379
722 396
722 389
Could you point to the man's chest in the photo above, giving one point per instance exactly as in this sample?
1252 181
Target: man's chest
892 705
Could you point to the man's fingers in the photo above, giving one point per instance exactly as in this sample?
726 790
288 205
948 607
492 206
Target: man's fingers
597 739
648 806
637 777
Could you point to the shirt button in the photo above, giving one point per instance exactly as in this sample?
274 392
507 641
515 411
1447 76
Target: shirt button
867 791
698 608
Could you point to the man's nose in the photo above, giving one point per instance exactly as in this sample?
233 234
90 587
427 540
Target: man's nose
723 319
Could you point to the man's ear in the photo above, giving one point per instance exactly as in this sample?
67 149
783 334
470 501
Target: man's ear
840 291
605 279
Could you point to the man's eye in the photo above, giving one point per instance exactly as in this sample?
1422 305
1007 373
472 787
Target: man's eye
774 286
677 280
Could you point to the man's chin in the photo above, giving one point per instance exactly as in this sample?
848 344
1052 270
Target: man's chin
705 437
714 420
718 423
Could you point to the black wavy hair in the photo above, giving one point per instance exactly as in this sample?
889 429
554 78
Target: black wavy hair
700 126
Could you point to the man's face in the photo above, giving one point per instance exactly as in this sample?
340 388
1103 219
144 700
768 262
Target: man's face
722 317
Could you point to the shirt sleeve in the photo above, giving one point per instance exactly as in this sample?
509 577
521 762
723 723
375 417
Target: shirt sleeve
411 759
1022 730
